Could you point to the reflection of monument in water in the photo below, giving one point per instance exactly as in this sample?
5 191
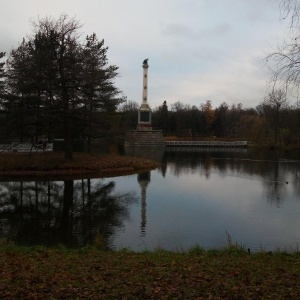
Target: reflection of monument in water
143 180
144 141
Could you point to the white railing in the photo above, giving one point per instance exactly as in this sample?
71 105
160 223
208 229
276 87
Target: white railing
205 149
26 147
208 143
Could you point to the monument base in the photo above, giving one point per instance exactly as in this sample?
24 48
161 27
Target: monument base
145 138
144 127
145 143
153 153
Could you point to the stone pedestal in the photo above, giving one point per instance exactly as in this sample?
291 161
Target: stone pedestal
145 143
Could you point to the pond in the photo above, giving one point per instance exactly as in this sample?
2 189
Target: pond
201 197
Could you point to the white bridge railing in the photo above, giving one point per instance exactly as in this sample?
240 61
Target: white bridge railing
26 147
207 143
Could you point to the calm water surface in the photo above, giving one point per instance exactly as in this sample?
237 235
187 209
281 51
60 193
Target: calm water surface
194 198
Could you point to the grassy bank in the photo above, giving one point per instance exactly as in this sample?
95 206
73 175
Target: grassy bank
40 273
83 163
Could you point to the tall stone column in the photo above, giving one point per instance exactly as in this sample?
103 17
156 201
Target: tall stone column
144 118
145 82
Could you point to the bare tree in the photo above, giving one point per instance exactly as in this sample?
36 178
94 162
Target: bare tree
286 65
2 74
291 8
275 102
284 62
209 115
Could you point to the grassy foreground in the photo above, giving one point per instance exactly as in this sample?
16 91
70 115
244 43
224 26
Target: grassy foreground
54 163
89 273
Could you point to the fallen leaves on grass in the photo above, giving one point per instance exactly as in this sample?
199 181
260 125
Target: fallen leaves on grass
94 274
83 163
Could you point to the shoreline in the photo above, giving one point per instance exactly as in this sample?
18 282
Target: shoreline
53 165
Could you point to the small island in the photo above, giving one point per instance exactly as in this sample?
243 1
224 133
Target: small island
53 164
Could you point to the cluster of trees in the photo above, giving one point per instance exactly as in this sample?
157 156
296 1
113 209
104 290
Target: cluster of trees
273 121
55 85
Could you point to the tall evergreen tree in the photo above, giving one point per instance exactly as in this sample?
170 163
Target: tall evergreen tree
2 74
18 96
62 81
99 94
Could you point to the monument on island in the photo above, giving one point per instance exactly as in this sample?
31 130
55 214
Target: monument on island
145 141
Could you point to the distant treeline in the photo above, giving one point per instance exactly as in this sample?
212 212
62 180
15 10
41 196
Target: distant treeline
272 122
56 86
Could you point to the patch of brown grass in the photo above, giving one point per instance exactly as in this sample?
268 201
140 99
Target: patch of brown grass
93 274
55 163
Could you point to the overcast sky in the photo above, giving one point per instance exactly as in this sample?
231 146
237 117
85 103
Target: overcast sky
198 50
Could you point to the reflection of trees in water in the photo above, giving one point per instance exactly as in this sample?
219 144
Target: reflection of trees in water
276 173
295 180
275 184
98 210
24 207
266 166
181 163
207 165
69 213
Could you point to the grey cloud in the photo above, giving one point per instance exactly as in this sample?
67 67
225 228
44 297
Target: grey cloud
182 30
218 29
178 30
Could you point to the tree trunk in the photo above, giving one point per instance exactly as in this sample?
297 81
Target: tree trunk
276 126
68 147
